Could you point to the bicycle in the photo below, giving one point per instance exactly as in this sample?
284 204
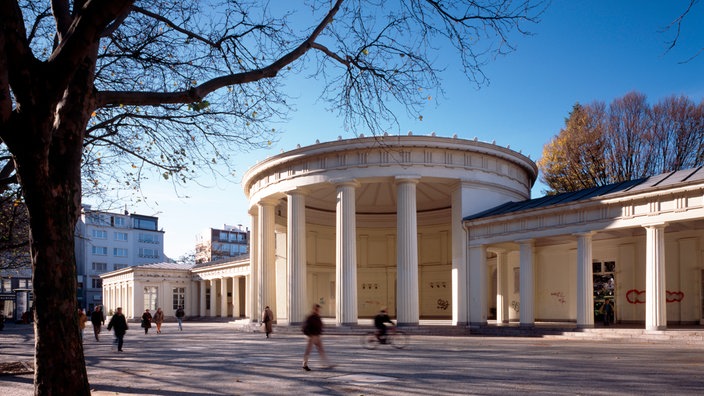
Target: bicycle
396 338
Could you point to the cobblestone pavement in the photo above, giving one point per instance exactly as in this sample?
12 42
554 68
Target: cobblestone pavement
213 359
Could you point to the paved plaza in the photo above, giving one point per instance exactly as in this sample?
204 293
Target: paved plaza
214 359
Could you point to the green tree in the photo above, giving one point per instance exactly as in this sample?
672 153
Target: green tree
627 140
113 85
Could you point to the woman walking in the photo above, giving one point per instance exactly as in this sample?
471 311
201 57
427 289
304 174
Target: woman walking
146 321
158 319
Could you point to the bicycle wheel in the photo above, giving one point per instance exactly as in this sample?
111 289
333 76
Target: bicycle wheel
398 339
369 341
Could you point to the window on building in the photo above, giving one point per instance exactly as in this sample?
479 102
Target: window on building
121 236
207 298
148 238
97 283
179 299
150 297
99 267
148 253
7 285
119 252
96 218
99 250
23 284
223 236
118 221
100 234
119 266
144 224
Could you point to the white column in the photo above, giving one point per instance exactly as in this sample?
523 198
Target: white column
460 306
527 280
477 286
223 298
201 303
585 281
213 298
249 296
655 297
501 285
296 245
346 254
407 311
266 258
236 297
252 283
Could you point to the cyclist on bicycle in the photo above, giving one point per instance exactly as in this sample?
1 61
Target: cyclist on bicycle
380 321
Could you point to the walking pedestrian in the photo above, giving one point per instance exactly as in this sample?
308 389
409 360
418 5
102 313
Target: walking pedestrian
146 321
313 328
179 317
119 323
97 319
82 319
268 320
158 319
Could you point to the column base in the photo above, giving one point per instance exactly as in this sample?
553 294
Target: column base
656 328
407 324
526 325
476 325
585 326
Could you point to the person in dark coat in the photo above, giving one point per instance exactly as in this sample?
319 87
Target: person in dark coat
313 328
119 323
268 320
146 321
97 319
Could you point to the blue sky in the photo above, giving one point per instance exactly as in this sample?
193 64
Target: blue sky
581 51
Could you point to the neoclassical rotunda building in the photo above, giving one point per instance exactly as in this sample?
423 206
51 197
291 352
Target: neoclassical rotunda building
359 224
443 228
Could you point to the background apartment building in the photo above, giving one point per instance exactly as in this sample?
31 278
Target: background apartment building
217 244
110 241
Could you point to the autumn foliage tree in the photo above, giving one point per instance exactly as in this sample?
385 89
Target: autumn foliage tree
105 89
628 139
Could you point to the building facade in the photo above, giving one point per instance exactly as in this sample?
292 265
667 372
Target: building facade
216 289
444 228
108 241
15 293
218 244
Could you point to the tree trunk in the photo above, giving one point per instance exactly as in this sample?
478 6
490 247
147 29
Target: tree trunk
48 165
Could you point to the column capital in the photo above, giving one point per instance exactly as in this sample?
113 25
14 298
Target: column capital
658 225
298 191
415 179
496 250
345 182
584 234
529 241
268 201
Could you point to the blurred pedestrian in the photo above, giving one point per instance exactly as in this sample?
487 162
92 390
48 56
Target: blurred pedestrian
179 317
146 321
268 320
82 319
313 328
158 319
119 323
97 319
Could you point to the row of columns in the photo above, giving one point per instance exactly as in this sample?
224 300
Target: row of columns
118 295
222 307
263 264
655 307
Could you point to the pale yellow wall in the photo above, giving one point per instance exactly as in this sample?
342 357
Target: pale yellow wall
376 269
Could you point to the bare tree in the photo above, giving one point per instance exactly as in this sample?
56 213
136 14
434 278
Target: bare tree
121 86
676 27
